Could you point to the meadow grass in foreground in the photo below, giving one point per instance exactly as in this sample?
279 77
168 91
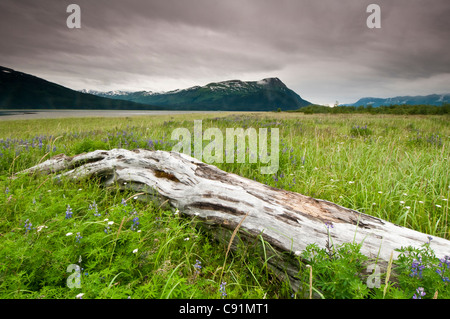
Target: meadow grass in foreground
392 167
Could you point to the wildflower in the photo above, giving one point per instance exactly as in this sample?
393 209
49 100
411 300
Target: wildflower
429 239
380 192
69 234
78 238
445 199
186 239
329 225
80 296
222 289
351 182
421 202
135 251
176 211
407 207
444 266
94 207
27 226
39 228
7 190
124 202
420 293
438 206
197 266
68 212
405 194
417 267
402 202
110 223
135 223
34 200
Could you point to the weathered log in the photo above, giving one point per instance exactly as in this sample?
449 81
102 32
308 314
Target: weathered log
286 220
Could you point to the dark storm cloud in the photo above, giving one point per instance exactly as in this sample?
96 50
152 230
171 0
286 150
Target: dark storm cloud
322 49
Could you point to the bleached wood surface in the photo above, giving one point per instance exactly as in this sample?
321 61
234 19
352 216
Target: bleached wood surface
288 221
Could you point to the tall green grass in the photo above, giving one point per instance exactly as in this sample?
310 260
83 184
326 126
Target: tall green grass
392 167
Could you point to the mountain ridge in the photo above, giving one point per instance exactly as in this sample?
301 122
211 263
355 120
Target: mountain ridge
20 90
232 95
430 99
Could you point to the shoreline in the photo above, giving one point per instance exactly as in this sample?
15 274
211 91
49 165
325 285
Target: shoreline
29 114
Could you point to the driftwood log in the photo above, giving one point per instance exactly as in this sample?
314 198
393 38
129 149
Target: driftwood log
286 220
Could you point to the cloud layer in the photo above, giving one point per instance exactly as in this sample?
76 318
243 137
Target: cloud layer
321 49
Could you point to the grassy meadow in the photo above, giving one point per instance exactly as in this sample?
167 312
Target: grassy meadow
395 167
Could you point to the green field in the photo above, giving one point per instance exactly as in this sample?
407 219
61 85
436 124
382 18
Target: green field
395 167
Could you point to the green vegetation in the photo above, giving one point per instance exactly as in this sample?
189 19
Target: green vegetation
390 109
392 167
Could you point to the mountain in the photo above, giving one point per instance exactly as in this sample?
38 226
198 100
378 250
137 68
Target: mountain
23 91
234 95
432 99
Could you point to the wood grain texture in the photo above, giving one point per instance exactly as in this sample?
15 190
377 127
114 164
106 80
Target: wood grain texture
286 220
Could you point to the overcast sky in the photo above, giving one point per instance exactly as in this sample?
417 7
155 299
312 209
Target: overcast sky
322 49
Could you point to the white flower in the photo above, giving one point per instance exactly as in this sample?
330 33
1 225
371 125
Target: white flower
405 194
39 228
80 295
351 182
380 192
176 211
445 199
68 234
135 197
105 220
79 189
186 239
135 251
110 223
402 202
298 253
373 204
407 207
139 231
438 206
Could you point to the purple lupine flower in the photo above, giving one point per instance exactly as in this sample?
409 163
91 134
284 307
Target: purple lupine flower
417 267
68 212
197 266
27 226
420 293
222 289
135 223
329 225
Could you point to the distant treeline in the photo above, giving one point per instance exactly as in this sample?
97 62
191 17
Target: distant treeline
389 109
